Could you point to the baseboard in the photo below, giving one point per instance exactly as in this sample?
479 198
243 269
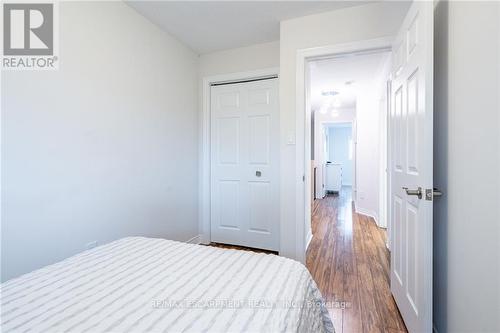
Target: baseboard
194 240
366 212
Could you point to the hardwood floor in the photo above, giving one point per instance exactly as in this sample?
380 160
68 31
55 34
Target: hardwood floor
349 261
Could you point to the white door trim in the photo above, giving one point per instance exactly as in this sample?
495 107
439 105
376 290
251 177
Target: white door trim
204 154
303 135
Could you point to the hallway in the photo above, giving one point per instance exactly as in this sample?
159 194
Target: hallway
349 261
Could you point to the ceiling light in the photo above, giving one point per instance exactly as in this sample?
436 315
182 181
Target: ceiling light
329 93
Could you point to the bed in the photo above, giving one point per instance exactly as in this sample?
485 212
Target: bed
139 284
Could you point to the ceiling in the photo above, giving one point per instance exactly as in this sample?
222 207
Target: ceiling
363 72
207 26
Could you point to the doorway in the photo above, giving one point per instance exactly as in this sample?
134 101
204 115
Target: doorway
349 107
340 157
348 102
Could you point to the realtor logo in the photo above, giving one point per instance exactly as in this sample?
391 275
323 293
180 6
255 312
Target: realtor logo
28 29
29 36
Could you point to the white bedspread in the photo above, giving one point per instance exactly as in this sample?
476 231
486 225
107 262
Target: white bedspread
144 284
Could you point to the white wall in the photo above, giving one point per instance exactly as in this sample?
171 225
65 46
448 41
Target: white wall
371 147
341 26
367 154
383 182
103 148
241 59
467 167
339 144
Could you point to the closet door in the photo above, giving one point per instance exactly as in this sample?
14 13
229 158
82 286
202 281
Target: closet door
244 164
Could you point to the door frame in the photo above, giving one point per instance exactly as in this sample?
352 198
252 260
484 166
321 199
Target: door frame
303 130
204 190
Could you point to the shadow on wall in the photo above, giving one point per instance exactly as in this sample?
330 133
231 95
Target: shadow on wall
441 116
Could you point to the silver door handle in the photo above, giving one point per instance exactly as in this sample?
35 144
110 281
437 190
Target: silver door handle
417 192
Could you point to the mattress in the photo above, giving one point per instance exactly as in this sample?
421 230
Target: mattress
141 284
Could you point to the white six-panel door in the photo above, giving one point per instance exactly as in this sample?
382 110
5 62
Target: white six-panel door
411 136
244 164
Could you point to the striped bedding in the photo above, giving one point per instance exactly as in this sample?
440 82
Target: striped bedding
154 285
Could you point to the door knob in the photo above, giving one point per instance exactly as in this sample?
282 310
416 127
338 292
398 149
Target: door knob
417 192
